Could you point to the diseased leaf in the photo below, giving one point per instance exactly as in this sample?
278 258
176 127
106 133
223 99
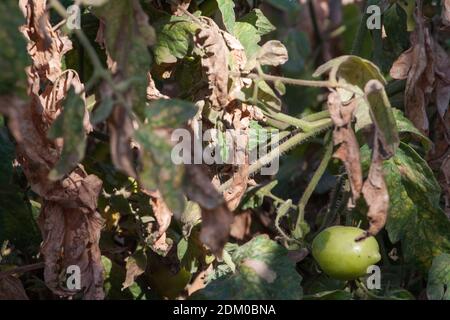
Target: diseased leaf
174 39
135 266
376 193
170 113
263 271
415 217
214 60
382 117
438 286
273 53
158 170
404 125
163 217
344 137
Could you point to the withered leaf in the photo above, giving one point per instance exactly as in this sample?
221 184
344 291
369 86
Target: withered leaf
163 217
426 67
344 137
69 222
135 265
375 193
214 61
273 53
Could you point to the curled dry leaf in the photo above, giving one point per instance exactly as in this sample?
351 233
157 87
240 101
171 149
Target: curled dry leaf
273 53
344 137
152 92
12 289
69 222
214 61
240 175
375 193
163 217
426 66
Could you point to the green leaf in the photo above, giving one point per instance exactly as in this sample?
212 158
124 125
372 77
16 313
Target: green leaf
438 286
226 8
174 39
135 266
415 217
382 116
248 35
257 19
263 272
69 126
13 55
170 113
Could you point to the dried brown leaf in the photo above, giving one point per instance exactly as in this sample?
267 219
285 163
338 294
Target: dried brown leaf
344 137
163 217
69 222
426 66
214 61
376 194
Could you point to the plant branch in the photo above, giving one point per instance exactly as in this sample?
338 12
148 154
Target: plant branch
314 181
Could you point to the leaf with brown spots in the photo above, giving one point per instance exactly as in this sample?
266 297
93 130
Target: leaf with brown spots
214 61
344 137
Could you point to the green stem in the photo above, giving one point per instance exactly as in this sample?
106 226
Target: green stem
314 181
296 82
317 116
305 126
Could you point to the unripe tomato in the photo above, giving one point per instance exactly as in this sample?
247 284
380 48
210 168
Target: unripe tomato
340 256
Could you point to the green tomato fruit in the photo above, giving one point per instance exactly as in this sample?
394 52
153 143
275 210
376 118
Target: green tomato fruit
340 256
